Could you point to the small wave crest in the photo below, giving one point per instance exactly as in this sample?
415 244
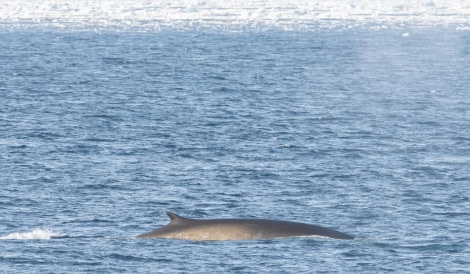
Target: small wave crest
36 234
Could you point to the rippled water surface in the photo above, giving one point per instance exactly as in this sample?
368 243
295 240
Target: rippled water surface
364 131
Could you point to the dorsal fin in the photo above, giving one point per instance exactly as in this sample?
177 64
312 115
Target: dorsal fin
175 219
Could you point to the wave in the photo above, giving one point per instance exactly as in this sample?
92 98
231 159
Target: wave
287 14
36 234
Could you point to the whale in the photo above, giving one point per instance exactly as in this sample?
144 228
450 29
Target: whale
238 229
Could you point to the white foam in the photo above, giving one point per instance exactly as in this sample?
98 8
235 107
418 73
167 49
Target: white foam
36 234
287 14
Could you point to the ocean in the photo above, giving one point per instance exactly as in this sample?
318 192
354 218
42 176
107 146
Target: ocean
350 116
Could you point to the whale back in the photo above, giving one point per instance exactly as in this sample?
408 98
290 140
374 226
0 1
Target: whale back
237 229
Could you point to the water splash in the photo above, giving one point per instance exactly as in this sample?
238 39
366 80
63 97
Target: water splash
35 234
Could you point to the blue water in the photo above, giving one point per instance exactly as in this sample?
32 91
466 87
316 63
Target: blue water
364 131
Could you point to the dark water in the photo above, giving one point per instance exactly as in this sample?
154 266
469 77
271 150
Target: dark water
364 131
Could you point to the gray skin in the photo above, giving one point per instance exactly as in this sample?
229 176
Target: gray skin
237 229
